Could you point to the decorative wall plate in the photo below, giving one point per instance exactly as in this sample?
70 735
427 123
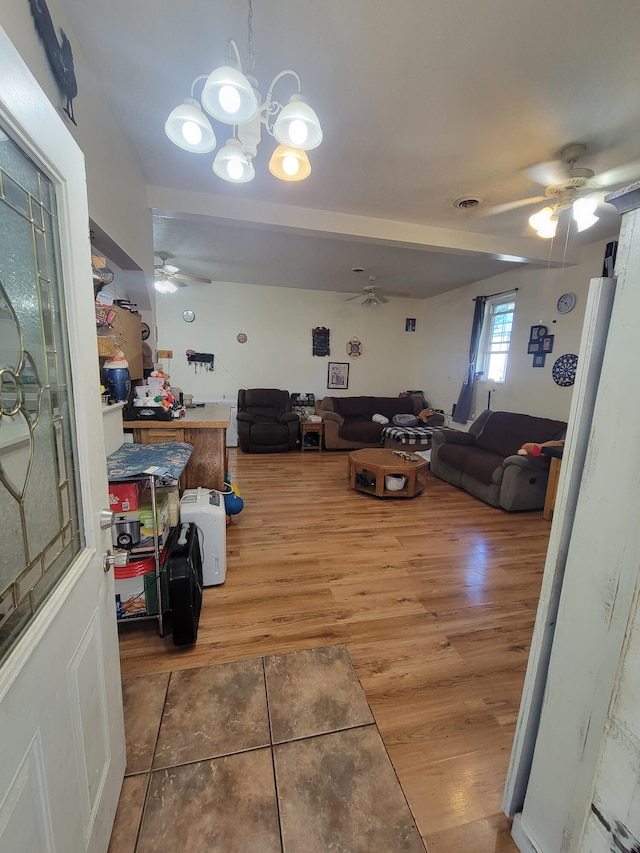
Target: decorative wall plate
354 348
564 369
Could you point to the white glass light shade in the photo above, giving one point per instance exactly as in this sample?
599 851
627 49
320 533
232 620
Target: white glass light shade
189 128
297 125
164 286
583 210
232 165
289 164
545 222
229 96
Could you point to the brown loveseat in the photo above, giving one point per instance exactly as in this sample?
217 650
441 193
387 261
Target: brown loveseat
484 461
347 420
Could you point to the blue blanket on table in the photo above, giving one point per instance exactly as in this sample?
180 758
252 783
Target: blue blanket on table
165 461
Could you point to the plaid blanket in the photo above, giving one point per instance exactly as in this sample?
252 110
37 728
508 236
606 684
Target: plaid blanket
407 435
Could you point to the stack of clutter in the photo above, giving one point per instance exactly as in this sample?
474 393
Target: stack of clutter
157 392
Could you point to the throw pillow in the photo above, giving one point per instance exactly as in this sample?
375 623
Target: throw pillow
405 420
380 419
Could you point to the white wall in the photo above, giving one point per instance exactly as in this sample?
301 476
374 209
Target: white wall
116 186
278 353
278 323
447 327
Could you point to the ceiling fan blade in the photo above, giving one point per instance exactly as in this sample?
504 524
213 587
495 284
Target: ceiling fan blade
546 174
496 209
619 175
381 298
351 298
180 276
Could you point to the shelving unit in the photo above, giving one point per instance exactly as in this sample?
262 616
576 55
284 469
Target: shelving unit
150 482
134 463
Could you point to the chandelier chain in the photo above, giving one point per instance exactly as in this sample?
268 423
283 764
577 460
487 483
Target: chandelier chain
251 60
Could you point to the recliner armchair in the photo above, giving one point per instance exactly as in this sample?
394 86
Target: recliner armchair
266 423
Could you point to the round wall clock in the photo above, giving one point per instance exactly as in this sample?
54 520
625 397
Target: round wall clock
564 369
188 316
146 331
566 303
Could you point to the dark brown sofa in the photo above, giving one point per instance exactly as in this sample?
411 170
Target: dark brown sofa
484 461
348 424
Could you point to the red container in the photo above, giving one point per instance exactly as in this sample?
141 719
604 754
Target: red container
124 497
135 586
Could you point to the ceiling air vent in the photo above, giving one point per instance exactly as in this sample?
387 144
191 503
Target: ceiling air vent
467 203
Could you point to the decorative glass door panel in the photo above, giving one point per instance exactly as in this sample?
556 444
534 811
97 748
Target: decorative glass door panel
39 514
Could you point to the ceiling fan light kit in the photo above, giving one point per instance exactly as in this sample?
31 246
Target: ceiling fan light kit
232 97
569 194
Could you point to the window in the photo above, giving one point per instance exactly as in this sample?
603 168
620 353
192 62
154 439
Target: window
496 337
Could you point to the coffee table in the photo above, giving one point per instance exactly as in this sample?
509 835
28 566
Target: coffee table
377 463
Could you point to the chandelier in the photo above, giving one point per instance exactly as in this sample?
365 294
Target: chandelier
231 97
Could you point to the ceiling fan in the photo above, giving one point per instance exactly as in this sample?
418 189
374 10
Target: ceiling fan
369 295
567 185
168 277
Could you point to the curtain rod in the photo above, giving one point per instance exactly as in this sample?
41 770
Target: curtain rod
502 292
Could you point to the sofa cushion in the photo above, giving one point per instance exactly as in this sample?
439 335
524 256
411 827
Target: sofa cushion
353 429
504 433
364 408
478 464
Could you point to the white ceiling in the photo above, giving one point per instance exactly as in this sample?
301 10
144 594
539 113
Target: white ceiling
421 102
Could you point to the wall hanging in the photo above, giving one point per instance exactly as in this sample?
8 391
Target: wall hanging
241 338
410 324
200 360
354 348
320 338
338 375
564 369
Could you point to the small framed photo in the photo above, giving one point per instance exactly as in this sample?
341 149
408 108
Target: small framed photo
410 324
534 347
338 375
539 359
537 332
547 343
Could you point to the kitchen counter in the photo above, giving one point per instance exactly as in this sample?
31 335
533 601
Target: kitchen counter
203 427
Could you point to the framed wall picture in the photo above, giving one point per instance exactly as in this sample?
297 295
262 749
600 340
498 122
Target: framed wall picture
537 332
410 324
338 375
547 343
539 359
534 347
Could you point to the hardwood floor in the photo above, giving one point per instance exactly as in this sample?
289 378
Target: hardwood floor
434 597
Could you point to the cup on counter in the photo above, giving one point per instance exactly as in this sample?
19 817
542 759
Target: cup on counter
187 399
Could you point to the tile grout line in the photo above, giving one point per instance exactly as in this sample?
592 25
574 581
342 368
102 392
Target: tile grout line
150 770
273 759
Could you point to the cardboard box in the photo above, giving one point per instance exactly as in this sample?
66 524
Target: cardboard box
124 497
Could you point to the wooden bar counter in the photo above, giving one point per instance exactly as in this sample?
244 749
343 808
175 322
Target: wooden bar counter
205 428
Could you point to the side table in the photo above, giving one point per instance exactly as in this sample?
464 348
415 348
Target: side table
552 488
310 427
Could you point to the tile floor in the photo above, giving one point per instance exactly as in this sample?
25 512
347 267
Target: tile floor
279 753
